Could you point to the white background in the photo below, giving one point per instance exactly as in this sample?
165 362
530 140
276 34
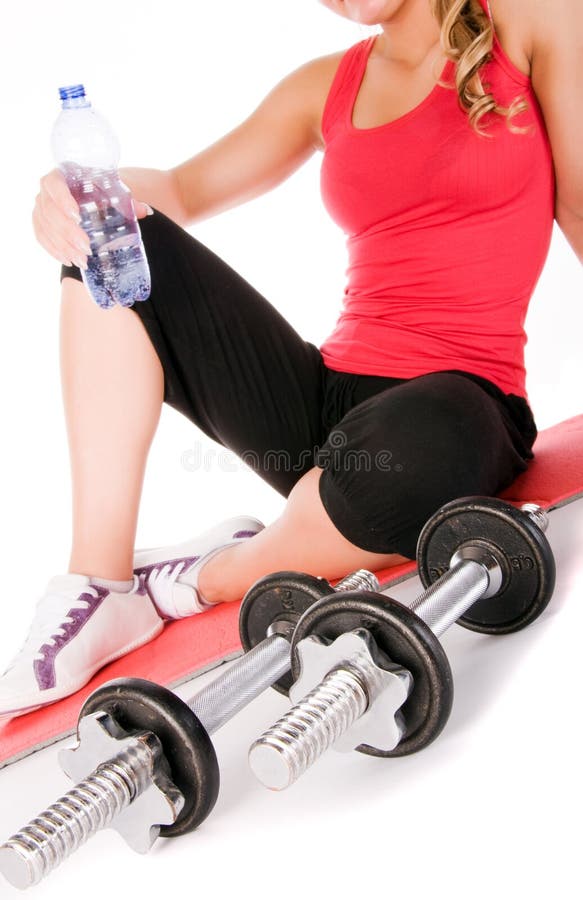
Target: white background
482 811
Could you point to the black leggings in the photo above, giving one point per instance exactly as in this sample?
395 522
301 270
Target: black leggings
393 450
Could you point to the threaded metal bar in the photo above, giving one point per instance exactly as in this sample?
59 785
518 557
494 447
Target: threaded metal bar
361 580
91 805
28 856
539 516
295 742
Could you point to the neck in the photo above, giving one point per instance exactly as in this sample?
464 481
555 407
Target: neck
410 35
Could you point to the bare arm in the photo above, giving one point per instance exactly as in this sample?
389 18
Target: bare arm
264 150
157 188
557 78
276 139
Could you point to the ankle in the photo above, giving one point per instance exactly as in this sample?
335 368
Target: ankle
105 571
119 586
214 583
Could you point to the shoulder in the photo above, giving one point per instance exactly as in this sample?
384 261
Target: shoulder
528 25
513 25
310 85
317 75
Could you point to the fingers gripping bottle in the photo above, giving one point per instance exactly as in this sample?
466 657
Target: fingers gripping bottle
87 153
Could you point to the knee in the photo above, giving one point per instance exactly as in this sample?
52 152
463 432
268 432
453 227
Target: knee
396 459
169 244
157 225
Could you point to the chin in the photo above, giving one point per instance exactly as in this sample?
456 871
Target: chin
371 12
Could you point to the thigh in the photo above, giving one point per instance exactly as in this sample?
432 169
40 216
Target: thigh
394 459
232 364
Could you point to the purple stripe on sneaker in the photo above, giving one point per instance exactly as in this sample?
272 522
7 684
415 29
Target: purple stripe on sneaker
187 560
244 534
44 669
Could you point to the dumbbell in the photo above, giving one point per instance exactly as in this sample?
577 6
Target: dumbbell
507 542
478 528
144 761
370 673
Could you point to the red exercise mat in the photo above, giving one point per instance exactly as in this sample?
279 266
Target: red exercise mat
555 476
194 645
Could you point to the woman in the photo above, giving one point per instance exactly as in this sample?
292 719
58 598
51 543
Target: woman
449 144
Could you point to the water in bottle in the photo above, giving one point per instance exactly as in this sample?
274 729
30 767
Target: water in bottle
87 153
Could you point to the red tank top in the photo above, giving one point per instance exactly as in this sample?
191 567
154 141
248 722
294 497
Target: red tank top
447 232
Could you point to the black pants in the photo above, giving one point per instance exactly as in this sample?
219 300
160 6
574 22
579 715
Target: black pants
393 450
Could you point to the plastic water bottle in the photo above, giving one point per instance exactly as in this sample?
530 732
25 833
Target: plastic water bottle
87 152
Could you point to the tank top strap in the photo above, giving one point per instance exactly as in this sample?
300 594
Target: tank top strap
500 54
348 76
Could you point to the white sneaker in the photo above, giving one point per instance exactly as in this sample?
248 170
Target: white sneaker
171 573
78 628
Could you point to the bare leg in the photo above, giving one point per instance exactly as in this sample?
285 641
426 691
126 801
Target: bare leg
113 387
302 539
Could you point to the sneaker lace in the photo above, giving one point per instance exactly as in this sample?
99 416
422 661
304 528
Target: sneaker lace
161 580
50 617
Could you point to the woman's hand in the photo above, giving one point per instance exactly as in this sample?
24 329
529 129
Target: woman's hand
55 220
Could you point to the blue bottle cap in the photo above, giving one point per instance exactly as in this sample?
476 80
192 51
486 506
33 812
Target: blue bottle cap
72 92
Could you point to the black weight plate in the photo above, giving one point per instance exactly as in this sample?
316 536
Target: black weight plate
141 705
406 640
519 545
281 596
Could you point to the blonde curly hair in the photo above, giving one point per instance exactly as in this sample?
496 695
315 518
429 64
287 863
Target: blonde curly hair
467 38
